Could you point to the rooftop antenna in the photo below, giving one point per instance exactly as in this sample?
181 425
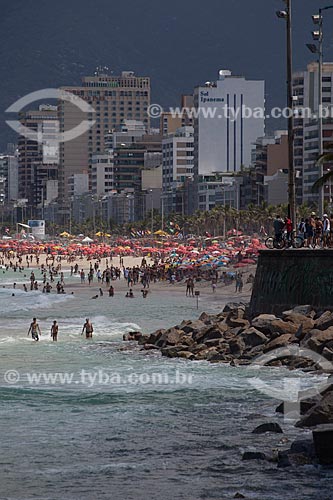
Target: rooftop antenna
102 70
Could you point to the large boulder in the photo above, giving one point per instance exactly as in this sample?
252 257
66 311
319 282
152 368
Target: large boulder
306 310
218 357
268 427
321 413
212 333
206 354
150 347
263 322
233 306
272 326
143 339
234 322
173 351
237 346
323 444
301 452
328 354
187 339
212 342
206 318
170 337
281 341
253 337
280 327
154 337
192 326
300 320
324 321
253 352
316 340
185 355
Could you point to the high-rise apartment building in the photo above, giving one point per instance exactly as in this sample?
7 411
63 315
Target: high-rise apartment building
270 154
306 141
114 99
9 176
177 151
38 161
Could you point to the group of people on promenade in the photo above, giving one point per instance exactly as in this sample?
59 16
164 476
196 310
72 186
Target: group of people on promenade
316 232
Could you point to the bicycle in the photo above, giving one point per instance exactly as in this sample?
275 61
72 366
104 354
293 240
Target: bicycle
283 242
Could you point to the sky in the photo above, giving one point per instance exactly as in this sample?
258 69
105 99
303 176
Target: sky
178 43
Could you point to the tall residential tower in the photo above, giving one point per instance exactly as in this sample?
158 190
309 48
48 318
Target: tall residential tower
114 99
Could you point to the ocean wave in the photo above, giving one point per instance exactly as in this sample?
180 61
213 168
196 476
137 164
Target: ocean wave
17 300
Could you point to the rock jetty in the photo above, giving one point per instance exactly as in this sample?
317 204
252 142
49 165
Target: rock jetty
233 337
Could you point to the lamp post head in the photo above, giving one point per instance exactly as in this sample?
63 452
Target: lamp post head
312 48
316 35
282 14
316 18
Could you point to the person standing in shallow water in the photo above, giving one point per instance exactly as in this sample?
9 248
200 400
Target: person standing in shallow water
35 330
54 331
88 328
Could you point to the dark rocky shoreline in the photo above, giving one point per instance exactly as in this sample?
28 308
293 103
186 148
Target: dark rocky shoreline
235 338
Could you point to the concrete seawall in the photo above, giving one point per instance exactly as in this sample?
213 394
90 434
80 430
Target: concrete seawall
287 278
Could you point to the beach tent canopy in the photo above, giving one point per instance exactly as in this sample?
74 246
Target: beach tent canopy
65 235
161 233
100 233
87 240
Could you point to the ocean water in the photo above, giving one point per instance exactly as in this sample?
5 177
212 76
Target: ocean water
127 424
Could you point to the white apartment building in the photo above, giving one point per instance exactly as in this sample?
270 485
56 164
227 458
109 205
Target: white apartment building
223 133
78 184
102 173
177 151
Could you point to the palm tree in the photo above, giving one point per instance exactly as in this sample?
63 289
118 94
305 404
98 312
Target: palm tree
326 158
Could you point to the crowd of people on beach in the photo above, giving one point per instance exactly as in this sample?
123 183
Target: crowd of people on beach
47 275
52 276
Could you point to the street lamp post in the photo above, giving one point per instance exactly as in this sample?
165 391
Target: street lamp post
318 37
162 212
224 217
152 212
286 15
